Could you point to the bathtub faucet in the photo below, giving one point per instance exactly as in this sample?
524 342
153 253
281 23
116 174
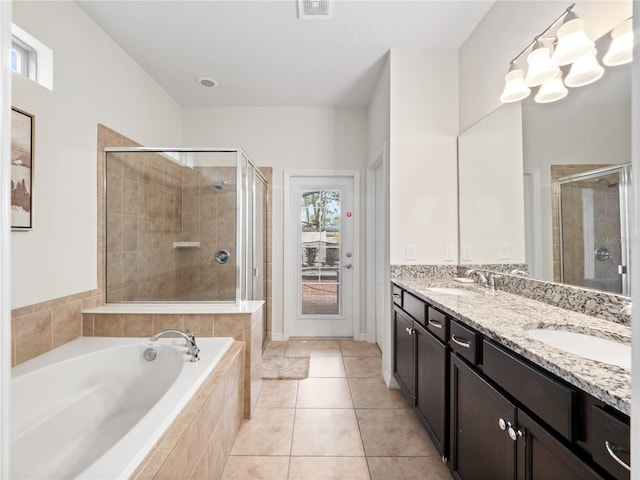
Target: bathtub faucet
192 348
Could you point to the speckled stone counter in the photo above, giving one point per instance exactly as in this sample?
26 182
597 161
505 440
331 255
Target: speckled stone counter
505 318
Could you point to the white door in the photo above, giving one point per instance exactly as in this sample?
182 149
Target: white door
320 260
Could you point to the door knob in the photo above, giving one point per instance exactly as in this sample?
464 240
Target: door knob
348 265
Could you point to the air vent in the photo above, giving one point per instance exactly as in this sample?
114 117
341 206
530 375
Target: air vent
313 9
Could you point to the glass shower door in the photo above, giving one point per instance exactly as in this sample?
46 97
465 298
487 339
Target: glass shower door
593 229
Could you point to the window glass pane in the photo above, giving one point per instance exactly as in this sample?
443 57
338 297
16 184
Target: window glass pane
320 252
14 60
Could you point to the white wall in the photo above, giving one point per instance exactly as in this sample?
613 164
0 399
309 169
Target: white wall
94 82
504 31
287 139
423 156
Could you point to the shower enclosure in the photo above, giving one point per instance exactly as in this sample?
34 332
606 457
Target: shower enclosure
594 232
184 225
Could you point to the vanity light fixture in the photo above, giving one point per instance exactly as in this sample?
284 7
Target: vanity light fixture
571 47
621 48
540 68
585 70
515 88
572 41
539 61
552 90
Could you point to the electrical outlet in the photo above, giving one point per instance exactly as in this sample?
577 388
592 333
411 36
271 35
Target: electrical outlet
505 251
466 253
411 252
449 253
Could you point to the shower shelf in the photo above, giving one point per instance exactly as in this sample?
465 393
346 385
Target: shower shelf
186 244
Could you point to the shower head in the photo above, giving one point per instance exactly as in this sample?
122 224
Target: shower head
220 185
609 183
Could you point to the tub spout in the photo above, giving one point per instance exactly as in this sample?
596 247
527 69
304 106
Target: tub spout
190 338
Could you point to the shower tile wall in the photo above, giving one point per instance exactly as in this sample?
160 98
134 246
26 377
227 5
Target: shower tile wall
209 217
152 202
575 234
602 275
144 218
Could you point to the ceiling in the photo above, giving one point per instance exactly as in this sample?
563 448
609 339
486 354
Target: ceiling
261 54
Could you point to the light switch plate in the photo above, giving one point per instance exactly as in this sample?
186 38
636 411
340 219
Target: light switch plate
449 253
411 252
466 252
505 251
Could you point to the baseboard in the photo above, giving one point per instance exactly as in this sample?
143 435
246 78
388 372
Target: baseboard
278 337
364 338
389 379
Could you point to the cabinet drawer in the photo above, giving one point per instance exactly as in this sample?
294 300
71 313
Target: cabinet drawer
415 307
546 397
463 341
396 291
609 429
437 323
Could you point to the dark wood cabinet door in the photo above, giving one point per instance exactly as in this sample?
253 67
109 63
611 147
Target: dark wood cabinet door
480 449
542 457
403 345
431 387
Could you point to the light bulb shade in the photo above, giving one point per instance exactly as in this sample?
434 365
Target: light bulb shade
514 89
621 48
572 42
551 90
585 70
540 67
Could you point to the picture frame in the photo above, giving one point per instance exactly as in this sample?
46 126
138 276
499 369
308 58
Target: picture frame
22 141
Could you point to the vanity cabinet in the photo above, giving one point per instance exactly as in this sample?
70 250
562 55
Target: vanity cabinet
495 415
493 437
480 450
421 368
403 352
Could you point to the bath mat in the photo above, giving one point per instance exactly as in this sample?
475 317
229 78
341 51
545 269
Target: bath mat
279 367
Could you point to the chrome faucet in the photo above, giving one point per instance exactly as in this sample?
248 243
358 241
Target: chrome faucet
190 338
482 279
519 271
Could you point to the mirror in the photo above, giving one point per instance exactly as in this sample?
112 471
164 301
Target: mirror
539 182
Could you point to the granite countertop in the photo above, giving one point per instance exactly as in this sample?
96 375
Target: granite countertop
505 317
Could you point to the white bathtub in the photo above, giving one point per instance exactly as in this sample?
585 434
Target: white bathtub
93 408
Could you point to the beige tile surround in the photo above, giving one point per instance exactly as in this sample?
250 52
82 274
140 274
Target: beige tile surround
38 328
198 442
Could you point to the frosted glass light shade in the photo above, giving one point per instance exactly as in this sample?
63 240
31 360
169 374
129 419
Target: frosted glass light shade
585 70
540 67
514 89
552 90
621 48
572 42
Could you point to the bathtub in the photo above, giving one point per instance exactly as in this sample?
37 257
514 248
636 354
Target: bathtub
93 408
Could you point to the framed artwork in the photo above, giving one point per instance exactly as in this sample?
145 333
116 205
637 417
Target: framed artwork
21 169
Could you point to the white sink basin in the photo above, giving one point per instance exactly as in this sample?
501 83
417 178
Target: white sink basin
586 346
452 291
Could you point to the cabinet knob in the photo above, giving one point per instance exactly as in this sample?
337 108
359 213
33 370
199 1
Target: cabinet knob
514 434
502 424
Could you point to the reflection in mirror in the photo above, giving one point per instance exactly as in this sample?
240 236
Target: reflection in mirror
491 213
588 130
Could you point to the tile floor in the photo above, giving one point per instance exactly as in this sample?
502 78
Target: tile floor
340 423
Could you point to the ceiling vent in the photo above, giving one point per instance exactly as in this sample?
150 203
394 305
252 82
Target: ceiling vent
313 9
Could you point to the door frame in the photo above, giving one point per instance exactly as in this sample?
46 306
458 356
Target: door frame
288 263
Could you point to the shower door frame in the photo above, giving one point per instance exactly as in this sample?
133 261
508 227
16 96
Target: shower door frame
242 282
624 191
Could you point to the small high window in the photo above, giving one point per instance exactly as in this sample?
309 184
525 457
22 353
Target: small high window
23 59
31 58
